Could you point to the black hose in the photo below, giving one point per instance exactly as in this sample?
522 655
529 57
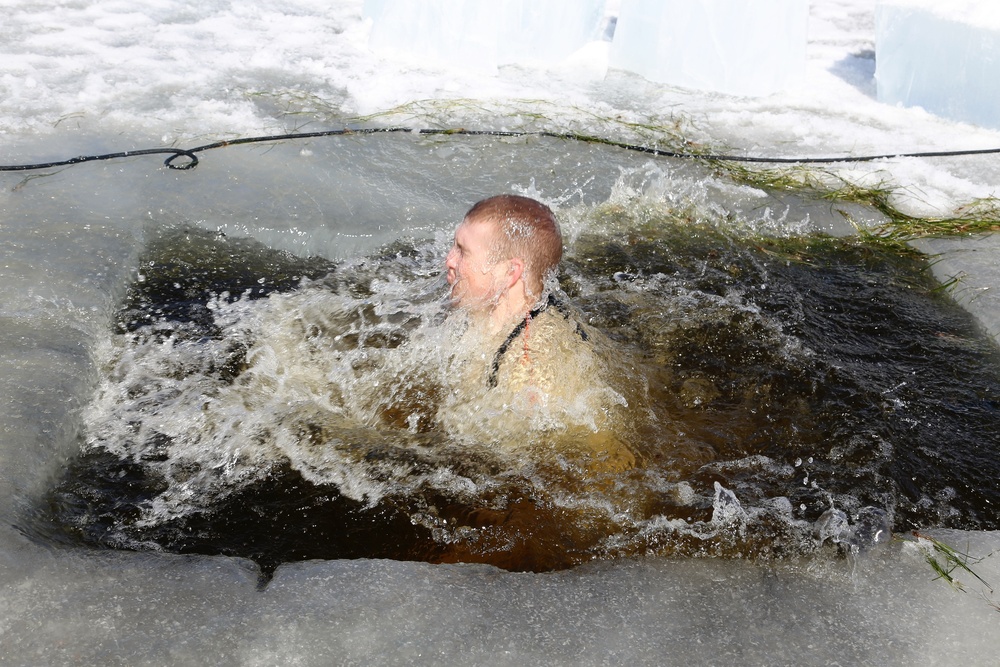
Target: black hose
192 157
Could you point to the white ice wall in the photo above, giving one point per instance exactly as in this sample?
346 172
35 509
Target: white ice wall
942 56
480 35
741 47
435 32
545 32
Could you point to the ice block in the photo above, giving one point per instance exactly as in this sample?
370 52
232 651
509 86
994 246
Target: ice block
943 57
740 47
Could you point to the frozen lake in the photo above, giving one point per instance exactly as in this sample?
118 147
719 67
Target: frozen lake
77 246
73 240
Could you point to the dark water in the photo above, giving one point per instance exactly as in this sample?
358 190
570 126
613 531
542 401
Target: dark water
784 395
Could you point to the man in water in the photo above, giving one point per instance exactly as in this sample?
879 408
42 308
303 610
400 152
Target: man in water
505 250
533 366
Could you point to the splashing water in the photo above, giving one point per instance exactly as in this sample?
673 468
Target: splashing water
777 394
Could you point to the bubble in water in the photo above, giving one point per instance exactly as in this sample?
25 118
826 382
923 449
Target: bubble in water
873 529
727 510
831 525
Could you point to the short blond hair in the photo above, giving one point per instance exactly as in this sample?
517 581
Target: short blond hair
526 229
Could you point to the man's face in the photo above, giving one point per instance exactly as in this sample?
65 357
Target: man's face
475 281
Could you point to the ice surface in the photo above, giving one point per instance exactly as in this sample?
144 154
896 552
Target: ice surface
944 61
741 47
132 609
482 35
973 263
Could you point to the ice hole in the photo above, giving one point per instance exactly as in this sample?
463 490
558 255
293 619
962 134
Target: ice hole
274 387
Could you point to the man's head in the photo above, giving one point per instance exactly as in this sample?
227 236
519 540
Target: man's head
504 243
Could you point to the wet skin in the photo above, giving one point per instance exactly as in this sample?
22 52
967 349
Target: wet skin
475 281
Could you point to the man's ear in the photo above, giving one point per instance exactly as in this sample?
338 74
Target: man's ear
515 271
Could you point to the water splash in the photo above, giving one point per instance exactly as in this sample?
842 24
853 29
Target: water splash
745 373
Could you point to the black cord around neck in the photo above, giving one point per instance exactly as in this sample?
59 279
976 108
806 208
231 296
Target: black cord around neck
491 380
